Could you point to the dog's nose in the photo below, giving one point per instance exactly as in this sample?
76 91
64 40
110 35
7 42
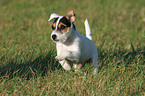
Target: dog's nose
54 36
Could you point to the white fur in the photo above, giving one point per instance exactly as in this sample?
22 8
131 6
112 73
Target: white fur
53 15
76 47
88 30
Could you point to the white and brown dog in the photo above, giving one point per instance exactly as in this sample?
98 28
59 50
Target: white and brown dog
70 44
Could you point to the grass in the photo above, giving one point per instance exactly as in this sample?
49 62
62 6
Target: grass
28 67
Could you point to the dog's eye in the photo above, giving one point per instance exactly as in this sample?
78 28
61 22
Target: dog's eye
53 27
62 27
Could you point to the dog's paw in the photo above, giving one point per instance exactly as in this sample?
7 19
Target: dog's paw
95 71
57 58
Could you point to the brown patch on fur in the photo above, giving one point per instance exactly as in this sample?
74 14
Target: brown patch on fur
54 25
71 16
63 30
61 24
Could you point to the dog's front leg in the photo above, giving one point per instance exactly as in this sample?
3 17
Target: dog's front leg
65 64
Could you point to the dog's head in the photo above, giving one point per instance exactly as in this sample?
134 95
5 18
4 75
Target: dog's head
62 26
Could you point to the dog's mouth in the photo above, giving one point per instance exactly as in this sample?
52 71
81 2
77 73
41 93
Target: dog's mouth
56 40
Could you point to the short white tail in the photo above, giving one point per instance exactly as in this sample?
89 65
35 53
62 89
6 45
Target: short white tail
88 30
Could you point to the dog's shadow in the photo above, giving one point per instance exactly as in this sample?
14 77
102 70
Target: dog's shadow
40 65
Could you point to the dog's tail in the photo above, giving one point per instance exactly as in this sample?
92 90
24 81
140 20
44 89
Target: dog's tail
88 30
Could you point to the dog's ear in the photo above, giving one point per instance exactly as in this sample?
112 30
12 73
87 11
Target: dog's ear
71 16
52 16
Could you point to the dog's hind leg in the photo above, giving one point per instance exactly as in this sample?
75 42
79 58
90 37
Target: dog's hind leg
77 67
96 67
65 64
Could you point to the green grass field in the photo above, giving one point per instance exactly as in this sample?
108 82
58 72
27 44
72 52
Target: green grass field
27 64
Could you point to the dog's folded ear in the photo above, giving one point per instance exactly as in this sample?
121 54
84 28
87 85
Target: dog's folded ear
52 16
71 16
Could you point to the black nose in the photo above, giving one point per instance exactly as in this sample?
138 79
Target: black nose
54 36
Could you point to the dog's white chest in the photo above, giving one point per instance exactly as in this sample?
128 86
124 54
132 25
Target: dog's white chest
61 48
68 51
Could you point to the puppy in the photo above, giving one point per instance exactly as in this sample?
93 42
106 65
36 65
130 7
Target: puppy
70 44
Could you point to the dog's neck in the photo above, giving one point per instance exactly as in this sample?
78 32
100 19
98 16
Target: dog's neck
72 36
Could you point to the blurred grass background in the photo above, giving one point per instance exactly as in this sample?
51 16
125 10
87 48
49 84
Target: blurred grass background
27 65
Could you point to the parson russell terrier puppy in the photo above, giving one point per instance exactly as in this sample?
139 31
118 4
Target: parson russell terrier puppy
71 45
